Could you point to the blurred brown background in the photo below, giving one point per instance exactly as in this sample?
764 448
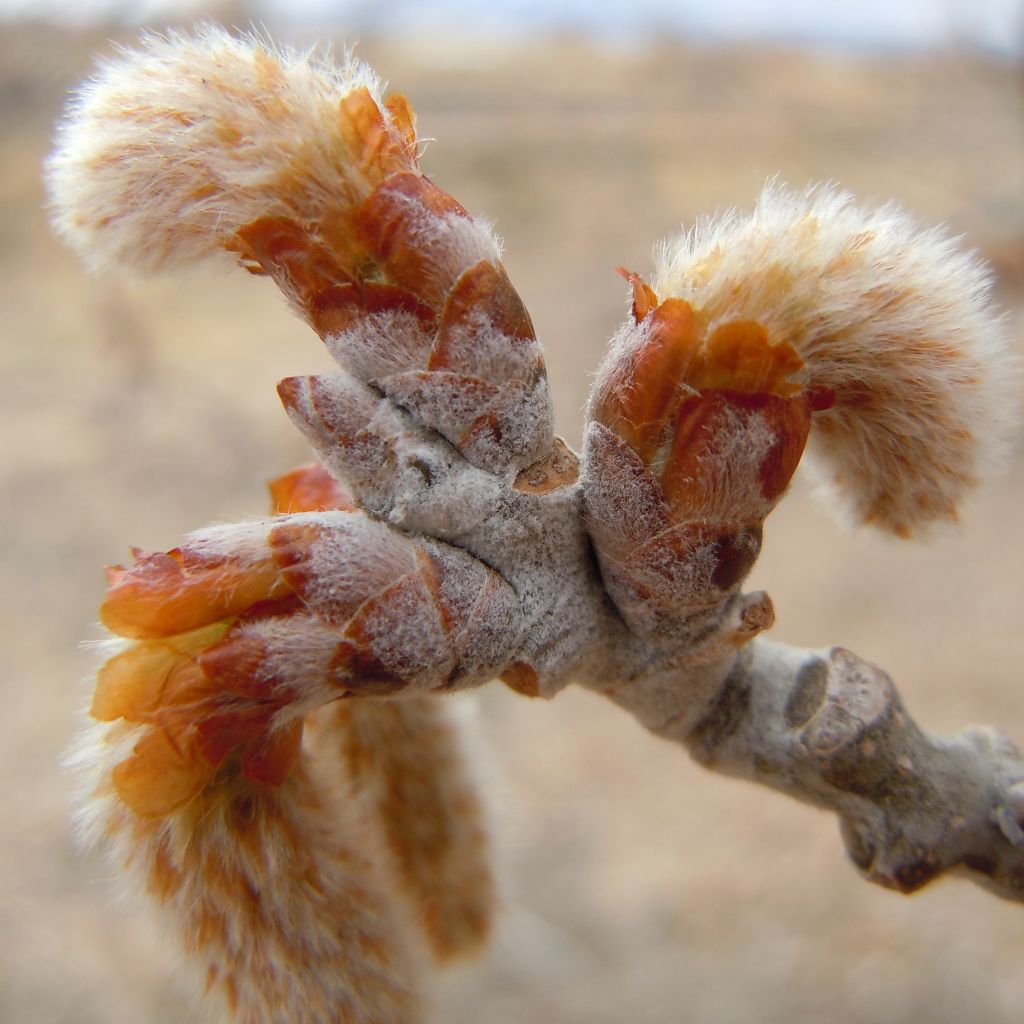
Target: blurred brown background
636 886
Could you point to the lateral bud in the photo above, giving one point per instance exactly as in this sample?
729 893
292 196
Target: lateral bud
695 429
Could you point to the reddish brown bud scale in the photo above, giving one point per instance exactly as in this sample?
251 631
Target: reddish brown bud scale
664 573
300 549
235 666
340 410
482 299
292 545
642 394
267 752
739 355
221 733
272 757
451 402
701 425
790 421
161 775
403 117
522 677
735 553
300 263
376 148
688 472
363 672
390 223
644 296
337 309
388 667
164 594
717 422
132 684
482 612
431 571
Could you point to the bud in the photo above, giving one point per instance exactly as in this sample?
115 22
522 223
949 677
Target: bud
196 145
173 149
240 632
904 354
809 305
695 432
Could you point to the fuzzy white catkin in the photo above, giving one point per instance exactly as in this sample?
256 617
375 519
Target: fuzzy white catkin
173 147
324 940
897 321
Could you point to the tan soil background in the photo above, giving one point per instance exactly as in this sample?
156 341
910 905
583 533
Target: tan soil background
636 886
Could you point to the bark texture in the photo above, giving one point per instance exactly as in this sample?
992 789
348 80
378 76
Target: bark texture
829 728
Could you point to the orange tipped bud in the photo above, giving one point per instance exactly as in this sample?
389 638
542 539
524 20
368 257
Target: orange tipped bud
679 395
204 695
673 356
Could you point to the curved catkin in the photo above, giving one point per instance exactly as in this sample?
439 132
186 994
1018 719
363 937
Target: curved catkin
894 322
274 892
404 758
171 149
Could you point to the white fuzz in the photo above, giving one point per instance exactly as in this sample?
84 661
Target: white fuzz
275 891
895 320
170 149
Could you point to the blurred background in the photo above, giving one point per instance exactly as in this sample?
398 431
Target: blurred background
635 885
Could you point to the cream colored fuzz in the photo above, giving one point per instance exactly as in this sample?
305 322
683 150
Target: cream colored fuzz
894 319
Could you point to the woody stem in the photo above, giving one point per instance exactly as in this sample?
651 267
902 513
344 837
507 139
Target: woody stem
829 728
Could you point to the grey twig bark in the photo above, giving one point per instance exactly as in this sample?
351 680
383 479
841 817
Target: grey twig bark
829 728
